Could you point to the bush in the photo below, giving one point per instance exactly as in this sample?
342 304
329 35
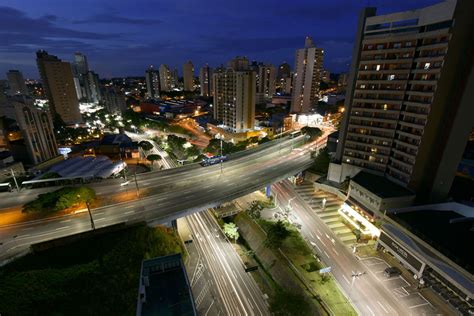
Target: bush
288 303
59 200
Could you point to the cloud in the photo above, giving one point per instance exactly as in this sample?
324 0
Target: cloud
116 19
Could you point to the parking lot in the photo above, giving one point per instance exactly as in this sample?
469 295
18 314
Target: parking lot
400 287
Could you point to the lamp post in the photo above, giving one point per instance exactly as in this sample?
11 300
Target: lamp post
14 178
219 136
90 213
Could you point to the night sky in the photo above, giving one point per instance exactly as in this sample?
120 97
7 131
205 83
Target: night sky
123 37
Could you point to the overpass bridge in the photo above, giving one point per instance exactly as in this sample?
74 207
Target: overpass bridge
177 192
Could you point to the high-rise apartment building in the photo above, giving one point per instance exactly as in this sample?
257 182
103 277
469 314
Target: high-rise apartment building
80 63
234 98
266 80
152 78
59 87
188 76
239 63
16 83
92 87
409 101
165 78
205 81
114 100
31 139
307 76
284 71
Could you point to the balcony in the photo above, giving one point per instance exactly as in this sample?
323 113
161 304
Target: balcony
405 144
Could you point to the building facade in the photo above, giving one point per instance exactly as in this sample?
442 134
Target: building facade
307 76
152 78
408 108
114 100
205 81
59 87
266 81
33 132
16 82
234 98
165 78
188 76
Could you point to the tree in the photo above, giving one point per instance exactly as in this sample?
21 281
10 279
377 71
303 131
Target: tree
276 234
145 145
312 132
231 231
321 162
153 158
288 303
264 140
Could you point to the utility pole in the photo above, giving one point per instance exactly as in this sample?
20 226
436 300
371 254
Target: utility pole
136 183
14 178
90 215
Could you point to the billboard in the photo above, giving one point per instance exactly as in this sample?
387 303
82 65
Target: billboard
396 248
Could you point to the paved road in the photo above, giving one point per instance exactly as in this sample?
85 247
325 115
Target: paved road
164 179
180 192
367 293
237 291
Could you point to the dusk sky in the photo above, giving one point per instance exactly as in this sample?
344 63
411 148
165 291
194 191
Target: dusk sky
122 38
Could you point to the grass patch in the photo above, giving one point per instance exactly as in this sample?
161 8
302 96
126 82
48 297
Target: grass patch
59 200
94 276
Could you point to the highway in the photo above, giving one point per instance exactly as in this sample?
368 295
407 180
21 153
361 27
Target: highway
366 293
237 291
177 192
159 181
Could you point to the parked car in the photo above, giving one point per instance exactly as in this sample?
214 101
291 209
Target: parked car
392 272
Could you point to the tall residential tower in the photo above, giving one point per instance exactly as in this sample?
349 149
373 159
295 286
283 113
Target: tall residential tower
58 85
409 99
307 76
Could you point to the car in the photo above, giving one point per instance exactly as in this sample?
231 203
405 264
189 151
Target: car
392 272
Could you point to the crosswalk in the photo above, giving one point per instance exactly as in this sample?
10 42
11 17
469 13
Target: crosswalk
329 214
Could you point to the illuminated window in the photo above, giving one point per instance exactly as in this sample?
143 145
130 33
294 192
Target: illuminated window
391 77
377 67
427 66
385 106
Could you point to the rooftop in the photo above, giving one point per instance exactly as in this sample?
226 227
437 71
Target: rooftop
443 230
164 288
380 185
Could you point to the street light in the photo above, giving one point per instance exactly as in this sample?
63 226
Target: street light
220 137
90 213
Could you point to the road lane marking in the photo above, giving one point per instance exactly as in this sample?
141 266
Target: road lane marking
28 228
99 219
347 280
65 221
64 227
326 254
383 307
129 212
370 310
415 306
335 251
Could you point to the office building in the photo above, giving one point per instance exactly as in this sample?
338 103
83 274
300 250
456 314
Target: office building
16 83
58 85
408 107
165 78
308 66
234 98
30 132
266 81
188 76
205 76
152 78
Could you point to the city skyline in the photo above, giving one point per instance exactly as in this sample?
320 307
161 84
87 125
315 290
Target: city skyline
209 33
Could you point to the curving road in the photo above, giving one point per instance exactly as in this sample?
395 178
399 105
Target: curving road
176 192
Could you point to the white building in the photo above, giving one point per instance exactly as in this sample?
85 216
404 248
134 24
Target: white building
308 66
